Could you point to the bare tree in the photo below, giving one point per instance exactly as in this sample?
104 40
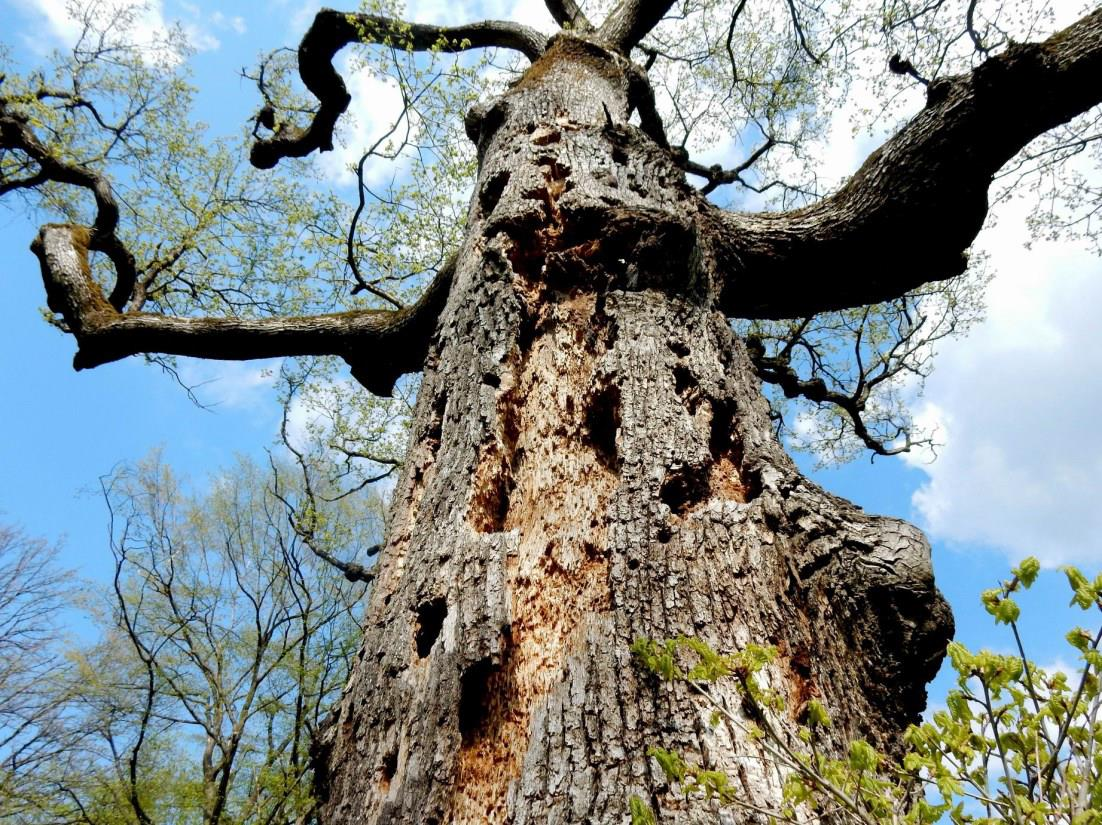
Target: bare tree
33 593
225 642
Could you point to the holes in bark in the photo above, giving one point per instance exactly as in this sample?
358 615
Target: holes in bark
803 686
554 171
678 348
318 755
687 388
682 379
430 620
474 698
390 767
496 474
720 440
491 192
491 504
726 450
436 423
602 421
684 487
491 379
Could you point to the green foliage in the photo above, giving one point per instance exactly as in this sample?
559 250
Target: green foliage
1013 743
641 814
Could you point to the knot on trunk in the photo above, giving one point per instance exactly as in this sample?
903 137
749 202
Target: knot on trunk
907 622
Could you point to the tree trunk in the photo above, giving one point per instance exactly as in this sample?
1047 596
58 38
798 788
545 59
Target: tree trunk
592 461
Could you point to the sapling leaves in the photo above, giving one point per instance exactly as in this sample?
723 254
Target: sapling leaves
1013 742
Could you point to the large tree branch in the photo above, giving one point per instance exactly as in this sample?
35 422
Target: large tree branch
569 15
631 21
332 30
379 345
911 211
15 133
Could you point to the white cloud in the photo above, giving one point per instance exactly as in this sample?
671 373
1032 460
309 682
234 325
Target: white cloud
199 38
143 20
376 106
448 12
531 13
242 385
61 25
1018 405
224 22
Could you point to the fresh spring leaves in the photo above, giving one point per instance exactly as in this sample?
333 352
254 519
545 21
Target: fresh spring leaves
1013 743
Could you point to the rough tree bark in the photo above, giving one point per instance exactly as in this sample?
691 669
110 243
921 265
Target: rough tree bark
592 461
591 458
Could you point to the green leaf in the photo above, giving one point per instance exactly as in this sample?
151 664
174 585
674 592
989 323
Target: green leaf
817 715
1079 638
1007 612
641 813
862 756
1027 571
671 763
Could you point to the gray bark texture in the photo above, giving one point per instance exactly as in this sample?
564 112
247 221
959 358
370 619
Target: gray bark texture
592 461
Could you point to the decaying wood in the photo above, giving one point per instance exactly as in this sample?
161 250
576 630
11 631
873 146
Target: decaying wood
592 462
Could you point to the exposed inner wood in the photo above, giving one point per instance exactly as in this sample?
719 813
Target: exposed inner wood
594 462
558 492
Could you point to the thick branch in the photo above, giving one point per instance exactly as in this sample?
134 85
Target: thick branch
908 215
332 30
569 15
380 345
15 133
631 21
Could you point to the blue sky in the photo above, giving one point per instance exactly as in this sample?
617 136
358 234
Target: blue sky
1016 402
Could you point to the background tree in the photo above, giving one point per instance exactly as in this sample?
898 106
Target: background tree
224 644
591 459
33 593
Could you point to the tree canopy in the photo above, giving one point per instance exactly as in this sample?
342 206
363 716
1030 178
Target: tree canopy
843 291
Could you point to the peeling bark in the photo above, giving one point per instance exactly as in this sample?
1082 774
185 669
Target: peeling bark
592 462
